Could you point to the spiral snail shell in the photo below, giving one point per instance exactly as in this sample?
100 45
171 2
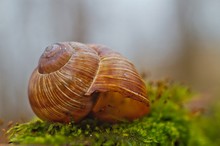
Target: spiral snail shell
74 80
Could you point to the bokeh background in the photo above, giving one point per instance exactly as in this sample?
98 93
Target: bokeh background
163 38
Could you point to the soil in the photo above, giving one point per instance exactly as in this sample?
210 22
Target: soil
4 126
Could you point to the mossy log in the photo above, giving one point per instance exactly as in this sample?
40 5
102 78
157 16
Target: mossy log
167 124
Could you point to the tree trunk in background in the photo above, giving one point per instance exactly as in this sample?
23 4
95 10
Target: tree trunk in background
200 44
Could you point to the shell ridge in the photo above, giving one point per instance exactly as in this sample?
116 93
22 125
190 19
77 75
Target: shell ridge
89 91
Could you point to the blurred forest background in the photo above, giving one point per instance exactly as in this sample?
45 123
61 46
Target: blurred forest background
163 38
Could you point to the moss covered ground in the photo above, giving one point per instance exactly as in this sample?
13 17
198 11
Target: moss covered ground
168 124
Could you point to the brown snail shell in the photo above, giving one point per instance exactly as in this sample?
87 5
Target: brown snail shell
74 80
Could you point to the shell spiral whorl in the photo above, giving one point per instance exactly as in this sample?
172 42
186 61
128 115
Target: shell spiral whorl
73 80
54 57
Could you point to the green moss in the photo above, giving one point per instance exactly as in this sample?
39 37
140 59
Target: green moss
167 124
205 128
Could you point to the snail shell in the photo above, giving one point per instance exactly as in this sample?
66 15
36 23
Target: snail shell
73 80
